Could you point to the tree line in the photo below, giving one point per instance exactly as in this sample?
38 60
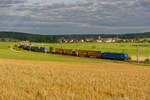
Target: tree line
55 38
29 37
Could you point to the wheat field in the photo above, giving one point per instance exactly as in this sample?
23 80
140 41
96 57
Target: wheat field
35 80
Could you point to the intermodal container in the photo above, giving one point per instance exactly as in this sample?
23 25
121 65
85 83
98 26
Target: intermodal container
43 49
68 51
94 53
59 51
81 53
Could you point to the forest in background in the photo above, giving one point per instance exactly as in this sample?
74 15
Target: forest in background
54 38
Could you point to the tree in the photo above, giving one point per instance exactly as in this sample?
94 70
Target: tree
145 40
25 38
54 39
51 39
40 38
137 40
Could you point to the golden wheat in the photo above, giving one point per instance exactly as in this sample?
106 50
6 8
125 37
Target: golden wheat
28 80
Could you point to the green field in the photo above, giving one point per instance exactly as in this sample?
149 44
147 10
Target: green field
7 53
130 48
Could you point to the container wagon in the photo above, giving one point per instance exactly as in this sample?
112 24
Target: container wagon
28 48
24 47
43 49
94 54
67 51
117 56
59 51
36 49
81 52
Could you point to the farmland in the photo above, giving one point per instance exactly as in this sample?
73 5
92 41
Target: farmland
31 80
26 75
6 53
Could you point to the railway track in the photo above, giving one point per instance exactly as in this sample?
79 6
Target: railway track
60 52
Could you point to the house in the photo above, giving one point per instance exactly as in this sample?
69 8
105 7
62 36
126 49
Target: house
65 40
71 40
97 40
68 40
131 41
118 40
108 40
99 37
81 40
89 39
60 41
76 41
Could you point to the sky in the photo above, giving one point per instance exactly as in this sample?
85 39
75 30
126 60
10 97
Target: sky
75 16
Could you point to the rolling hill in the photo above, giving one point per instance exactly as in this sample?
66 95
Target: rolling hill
54 38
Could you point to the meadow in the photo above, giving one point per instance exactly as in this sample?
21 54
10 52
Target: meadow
7 53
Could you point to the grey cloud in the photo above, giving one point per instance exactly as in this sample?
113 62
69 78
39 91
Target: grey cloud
7 2
88 16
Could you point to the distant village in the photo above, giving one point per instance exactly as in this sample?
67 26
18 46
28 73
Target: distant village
100 39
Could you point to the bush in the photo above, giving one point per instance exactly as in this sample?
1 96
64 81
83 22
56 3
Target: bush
129 58
147 60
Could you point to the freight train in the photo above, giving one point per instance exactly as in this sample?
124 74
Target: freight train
85 53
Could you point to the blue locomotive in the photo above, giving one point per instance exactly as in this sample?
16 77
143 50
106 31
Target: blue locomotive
117 56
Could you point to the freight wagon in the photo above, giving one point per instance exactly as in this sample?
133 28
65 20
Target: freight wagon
81 53
28 47
94 53
67 51
43 49
36 49
59 51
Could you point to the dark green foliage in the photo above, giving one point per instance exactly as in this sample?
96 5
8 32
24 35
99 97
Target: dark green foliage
129 58
51 39
29 37
25 37
147 60
55 38
40 38
51 49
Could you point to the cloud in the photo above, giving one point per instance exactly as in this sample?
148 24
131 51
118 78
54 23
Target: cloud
76 16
